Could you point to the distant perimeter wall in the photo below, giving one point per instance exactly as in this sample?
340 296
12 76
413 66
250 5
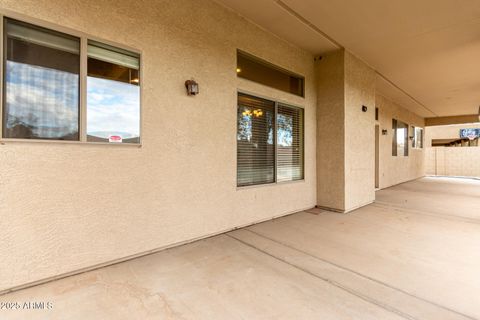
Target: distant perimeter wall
451 161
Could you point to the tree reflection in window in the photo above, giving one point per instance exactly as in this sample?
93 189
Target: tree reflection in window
247 117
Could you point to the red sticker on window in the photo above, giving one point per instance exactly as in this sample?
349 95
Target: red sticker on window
115 139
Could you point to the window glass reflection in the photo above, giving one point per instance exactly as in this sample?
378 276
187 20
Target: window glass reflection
255 141
400 138
290 143
41 83
113 111
113 95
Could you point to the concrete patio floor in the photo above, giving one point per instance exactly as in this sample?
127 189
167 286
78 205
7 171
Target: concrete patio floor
414 254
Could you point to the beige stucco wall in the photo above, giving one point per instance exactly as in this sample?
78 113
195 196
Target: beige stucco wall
345 134
359 133
330 131
65 207
451 161
446 132
395 170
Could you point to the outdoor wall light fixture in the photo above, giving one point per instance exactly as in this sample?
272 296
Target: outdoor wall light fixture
192 87
364 108
384 132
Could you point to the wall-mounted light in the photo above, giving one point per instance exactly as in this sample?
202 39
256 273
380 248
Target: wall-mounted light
364 108
192 87
239 70
384 132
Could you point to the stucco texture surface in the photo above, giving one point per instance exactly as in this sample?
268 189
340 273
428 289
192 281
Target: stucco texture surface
451 161
345 134
331 131
446 132
394 170
65 207
359 133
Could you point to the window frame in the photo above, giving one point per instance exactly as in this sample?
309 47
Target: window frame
406 150
414 140
275 140
272 66
84 37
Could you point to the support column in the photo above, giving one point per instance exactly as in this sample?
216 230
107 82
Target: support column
345 132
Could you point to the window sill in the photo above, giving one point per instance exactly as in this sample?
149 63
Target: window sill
8 141
272 184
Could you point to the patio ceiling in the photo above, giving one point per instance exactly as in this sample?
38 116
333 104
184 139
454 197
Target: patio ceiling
426 53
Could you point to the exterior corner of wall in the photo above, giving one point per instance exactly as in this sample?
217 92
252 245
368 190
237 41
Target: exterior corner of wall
330 131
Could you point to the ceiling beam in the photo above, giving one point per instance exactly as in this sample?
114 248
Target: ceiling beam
443 121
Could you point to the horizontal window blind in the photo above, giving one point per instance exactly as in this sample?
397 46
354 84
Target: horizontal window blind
42 37
113 55
289 143
255 141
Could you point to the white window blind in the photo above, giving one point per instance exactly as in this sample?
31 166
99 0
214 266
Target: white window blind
113 55
255 141
289 143
42 37
270 141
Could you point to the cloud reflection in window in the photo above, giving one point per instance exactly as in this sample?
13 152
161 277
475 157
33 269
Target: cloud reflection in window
113 108
41 103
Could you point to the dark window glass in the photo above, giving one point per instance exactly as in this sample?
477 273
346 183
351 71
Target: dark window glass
255 141
113 95
41 83
400 138
289 143
254 69
376 114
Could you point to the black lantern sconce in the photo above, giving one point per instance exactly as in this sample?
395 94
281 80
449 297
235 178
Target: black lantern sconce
384 132
192 87
364 108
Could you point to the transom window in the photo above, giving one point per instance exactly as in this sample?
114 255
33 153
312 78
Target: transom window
43 87
263 72
270 141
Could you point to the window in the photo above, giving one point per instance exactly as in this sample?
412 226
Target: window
270 145
400 138
255 69
376 114
41 83
417 142
255 141
44 82
290 143
113 94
